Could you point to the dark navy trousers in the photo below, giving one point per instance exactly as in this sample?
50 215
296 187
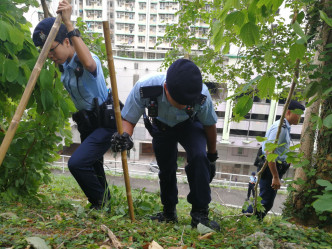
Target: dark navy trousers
86 163
190 134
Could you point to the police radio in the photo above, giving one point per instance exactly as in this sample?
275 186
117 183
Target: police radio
189 109
153 108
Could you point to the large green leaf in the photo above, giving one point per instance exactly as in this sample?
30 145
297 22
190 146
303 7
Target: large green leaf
11 70
46 99
4 30
328 121
249 34
268 57
243 105
234 18
297 51
266 86
218 32
298 30
16 36
263 2
46 79
325 18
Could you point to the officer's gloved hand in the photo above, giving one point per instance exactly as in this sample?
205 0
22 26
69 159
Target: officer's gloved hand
121 142
212 165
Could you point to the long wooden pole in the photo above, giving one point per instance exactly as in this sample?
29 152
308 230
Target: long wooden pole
28 89
117 111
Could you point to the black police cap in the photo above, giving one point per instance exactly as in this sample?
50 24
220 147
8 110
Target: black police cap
295 105
184 81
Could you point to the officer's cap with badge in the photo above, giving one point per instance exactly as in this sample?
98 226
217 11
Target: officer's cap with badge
184 81
295 105
43 29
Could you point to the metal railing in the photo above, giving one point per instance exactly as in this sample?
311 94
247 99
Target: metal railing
143 169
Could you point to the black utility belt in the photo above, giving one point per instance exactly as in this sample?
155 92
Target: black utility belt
102 116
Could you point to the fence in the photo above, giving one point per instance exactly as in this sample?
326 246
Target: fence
151 170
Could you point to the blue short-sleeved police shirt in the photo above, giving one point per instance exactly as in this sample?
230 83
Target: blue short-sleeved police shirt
284 138
87 87
168 114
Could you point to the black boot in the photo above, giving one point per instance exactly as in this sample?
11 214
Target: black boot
168 215
202 216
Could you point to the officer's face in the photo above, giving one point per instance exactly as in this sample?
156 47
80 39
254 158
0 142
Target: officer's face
293 118
172 101
59 52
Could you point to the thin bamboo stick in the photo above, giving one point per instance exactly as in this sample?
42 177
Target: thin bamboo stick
107 35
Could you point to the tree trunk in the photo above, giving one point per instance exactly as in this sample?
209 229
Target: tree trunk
299 205
45 9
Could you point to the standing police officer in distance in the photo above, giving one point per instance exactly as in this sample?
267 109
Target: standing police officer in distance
83 78
270 179
181 110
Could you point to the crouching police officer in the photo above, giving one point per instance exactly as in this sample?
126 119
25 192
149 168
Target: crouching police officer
181 111
82 76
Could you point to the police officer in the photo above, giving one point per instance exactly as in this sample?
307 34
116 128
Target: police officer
270 179
251 186
82 76
182 112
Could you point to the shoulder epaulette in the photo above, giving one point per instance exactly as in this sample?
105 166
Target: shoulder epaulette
284 124
201 99
150 91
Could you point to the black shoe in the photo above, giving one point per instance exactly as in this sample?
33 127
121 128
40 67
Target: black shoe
106 205
201 216
165 217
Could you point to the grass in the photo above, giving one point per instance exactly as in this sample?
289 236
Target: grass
61 217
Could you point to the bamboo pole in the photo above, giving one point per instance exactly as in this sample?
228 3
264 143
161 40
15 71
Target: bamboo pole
117 112
28 89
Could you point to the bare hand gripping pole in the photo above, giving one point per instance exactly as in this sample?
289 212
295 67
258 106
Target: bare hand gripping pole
29 88
117 111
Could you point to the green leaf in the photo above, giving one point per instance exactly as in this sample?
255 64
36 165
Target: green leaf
266 86
217 35
263 2
297 111
294 147
297 51
268 57
328 121
203 229
271 157
234 18
243 105
11 70
45 79
261 139
313 88
249 34
37 243
325 18
46 99
4 31
324 183
298 30
16 36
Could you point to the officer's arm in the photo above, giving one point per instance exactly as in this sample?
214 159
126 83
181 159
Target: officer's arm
211 137
128 127
81 49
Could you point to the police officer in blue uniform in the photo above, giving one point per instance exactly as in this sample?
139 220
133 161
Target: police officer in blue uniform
181 110
83 78
270 179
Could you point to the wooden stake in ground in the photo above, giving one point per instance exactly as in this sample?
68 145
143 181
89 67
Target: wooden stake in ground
29 88
117 111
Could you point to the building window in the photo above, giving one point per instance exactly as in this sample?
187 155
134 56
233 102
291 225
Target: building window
141 39
141 17
151 55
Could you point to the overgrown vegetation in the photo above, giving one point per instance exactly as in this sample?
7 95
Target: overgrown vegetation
62 219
